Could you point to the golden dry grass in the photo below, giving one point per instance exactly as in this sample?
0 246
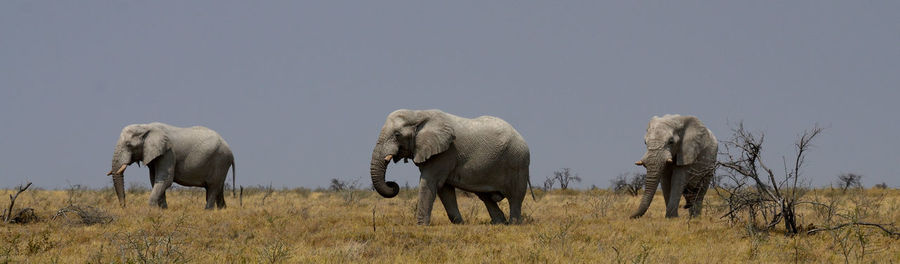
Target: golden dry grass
300 226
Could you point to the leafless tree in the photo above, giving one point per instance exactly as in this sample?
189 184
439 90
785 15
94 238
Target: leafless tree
629 183
337 185
756 188
267 191
849 180
564 177
881 186
548 183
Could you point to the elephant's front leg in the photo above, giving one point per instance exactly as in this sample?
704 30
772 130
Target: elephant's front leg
164 169
447 194
158 194
427 192
677 183
666 185
697 201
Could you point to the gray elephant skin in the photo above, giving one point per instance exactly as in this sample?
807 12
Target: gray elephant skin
681 155
194 156
484 155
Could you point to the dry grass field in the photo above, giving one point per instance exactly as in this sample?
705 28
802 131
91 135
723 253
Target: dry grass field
303 226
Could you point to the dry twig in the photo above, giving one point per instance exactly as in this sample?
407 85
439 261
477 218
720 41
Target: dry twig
12 201
889 232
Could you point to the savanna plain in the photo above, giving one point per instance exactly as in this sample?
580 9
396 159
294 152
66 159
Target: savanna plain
266 225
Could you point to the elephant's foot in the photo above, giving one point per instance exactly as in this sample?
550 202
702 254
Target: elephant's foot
456 220
423 220
159 205
499 220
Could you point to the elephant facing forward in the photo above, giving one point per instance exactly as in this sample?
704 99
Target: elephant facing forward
484 155
194 156
681 154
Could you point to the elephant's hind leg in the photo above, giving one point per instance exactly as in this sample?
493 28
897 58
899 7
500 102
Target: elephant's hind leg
215 188
214 195
220 199
447 194
497 216
515 209
210 197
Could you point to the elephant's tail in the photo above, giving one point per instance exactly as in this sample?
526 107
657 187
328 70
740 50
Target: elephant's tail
530 187
233 176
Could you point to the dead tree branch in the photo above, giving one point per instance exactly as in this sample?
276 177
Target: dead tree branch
12 201
773 197
889 232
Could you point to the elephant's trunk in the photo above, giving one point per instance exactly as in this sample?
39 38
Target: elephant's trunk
378 168
654 170
121 159
119 184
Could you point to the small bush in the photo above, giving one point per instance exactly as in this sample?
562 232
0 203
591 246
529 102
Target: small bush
87 215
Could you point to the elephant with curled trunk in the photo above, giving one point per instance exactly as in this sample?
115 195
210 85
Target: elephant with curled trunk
484 155
681 154
194 156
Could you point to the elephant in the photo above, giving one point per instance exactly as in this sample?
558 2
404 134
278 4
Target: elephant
484 155
194 156
681 154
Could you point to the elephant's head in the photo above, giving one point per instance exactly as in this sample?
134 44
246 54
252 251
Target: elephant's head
672 140
408 134
137 143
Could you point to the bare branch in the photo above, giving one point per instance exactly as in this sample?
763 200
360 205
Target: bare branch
889 232
773 196
12 201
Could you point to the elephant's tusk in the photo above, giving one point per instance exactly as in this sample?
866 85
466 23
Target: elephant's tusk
118 172
639 163
669 160
388 157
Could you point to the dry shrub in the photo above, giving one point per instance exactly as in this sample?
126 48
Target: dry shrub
87 215
24 216
274 251
163 242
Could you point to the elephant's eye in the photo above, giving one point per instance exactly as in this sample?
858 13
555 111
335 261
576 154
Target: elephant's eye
397 134
671 141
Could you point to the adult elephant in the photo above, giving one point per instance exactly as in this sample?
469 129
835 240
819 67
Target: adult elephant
194 156
484 155
681 154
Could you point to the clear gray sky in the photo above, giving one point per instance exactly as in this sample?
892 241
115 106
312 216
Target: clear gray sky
300 89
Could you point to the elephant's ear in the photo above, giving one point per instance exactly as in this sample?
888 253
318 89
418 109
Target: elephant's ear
693 140
433 135
155 144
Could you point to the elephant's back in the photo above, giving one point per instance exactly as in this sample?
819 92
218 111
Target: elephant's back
505 142
202 142
218 143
